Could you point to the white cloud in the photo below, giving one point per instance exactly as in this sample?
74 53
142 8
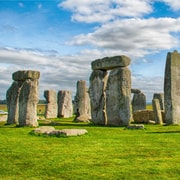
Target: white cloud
103 11
174 4
59 73
134 37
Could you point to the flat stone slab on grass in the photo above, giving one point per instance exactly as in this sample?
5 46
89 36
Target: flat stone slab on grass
136 126
50 130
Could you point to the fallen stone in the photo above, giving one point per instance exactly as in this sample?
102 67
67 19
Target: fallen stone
108 63
50 130
69 132
136 126
82 118
143 116
44 130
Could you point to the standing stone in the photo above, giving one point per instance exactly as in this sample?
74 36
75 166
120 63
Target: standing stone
171 88
157 111
118 97
159 96
12 97
65 107
82 102
138 102
51 106
22 98
28 100
98 81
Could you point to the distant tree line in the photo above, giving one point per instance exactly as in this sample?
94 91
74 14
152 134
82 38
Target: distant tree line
40 101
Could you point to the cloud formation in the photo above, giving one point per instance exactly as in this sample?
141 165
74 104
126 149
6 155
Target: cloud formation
103 11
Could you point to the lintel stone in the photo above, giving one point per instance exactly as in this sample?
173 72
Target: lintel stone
109 63
23 75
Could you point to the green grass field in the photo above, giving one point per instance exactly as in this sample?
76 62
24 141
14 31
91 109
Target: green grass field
104 153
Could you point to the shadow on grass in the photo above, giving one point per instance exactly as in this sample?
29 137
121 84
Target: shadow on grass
74 124
164 132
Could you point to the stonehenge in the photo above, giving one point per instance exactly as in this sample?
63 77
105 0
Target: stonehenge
107 101
22 98
110 95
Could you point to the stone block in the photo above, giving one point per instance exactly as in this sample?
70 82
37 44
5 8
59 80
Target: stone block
118 97
109 63
23 75
171 88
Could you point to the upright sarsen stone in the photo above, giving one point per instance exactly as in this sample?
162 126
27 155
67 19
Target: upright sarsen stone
65 107
98 81
51 106
82 101
172 88
160 97
28 100
118 97
12 97
138 101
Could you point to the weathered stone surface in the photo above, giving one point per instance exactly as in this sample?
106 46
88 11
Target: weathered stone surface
23 75
143 116
136 126
160 97
12 97
51 106
157 111
118 97
138 102
49 130
109 63
98 81
65 107
171 88
28 100
82 118
135 91
82 101
3 118
44 130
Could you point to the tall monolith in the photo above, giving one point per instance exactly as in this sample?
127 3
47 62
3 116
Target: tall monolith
81 100
65 107
98 81
118 97
51 106
171 88
12 98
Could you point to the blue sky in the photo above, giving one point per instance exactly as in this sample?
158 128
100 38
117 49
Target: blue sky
61 38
